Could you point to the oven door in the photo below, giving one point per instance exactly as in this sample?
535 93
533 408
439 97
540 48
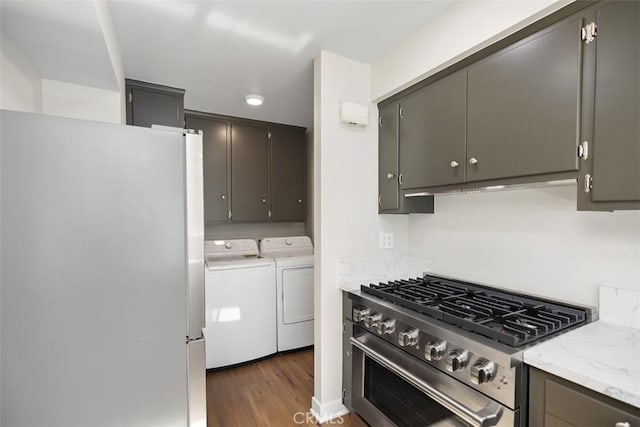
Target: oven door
391 387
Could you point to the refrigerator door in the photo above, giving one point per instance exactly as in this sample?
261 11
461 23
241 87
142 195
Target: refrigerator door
195 235
197 383
93 274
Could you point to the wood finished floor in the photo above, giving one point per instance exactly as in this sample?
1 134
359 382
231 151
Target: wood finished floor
266 393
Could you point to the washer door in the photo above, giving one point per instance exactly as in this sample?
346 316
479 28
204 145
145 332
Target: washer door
297 295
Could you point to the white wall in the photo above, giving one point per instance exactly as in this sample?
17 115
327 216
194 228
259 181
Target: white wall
113 47
530 240
81 102
346 222
258 230
466 27
19 80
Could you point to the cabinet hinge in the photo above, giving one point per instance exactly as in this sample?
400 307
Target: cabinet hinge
380 121
130 97
344 393
589 32
230 214
588 183
380 199
344 327
401 112
583 150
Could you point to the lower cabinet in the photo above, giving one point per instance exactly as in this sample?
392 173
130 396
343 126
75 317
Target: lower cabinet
555 402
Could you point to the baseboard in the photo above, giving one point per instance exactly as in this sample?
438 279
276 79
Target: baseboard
324 412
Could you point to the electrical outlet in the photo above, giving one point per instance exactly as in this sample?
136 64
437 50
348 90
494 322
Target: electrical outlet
386 240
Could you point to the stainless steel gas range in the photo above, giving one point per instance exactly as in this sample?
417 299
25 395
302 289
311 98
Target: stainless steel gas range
436 351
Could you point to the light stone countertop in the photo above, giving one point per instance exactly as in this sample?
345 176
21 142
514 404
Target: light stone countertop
600 356
603 356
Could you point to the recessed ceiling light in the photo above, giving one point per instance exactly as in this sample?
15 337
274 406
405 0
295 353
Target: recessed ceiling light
254 100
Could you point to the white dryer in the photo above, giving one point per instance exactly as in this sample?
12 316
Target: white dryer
294 283
240 302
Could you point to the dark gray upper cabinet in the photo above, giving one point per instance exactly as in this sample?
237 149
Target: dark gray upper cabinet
214 150
249 173
433 133
388 150
391 199
287 175
523 106
150 104
611 122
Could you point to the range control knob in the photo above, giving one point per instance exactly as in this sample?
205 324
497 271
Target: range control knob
457 360
386 327
408 337
483 371
372 320
360 313
434 350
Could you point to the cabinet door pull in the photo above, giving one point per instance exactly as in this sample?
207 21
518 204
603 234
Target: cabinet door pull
454 164
264 200
390 176
473 161
299 201
223 196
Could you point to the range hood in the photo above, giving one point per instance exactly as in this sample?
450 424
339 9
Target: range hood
486 188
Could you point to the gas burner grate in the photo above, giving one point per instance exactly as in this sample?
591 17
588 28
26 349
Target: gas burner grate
511 319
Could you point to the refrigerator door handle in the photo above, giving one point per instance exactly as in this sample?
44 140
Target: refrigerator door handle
196 383
194 213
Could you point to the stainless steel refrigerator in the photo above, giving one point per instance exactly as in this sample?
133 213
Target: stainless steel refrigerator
102 287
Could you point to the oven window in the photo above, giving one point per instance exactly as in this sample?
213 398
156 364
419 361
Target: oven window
401 402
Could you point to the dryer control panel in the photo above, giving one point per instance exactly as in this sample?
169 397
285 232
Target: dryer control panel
286 246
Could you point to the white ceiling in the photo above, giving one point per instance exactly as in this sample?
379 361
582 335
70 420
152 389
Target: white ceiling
63 40
218 51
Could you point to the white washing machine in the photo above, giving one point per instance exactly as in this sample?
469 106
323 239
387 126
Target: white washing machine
293 257
240 300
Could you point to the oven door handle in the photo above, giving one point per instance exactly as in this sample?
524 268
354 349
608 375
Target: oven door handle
487 416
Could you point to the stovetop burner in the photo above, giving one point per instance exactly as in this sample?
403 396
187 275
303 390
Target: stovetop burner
509 318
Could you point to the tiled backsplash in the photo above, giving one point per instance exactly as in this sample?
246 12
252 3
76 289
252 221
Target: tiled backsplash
620 306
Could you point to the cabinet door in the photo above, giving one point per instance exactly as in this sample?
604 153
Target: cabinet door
388 158
148 104
616 138
214 150
433 133
523 106
555 402
249 173
287 175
